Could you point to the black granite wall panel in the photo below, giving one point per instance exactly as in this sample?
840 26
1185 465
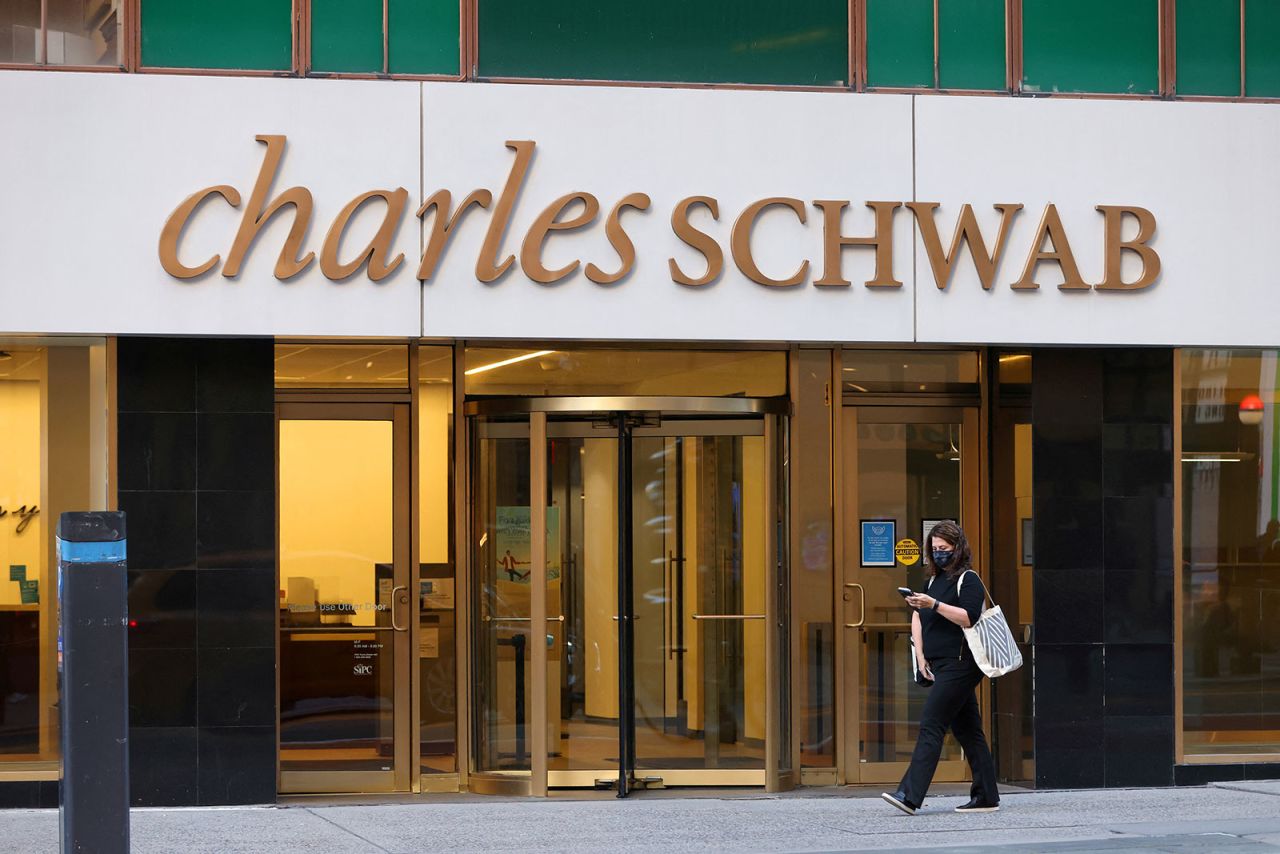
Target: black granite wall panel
197 478
1102 440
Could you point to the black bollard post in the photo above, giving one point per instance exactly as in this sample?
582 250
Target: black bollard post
93 625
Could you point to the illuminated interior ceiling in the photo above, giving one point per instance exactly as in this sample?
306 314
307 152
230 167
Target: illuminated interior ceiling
534 370
24 363
342 364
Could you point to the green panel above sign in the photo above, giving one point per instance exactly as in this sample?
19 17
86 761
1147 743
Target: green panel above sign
1262 48
425 37
900 43
233 34
802 43
1103 46
1208 37
971 44
346 35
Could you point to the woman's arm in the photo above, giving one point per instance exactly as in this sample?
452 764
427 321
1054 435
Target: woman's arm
957 615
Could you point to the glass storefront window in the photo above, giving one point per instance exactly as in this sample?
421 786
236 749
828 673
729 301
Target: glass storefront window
1012 577
1230 568
533 370
53 417
342 366
78 32
910 371
500 510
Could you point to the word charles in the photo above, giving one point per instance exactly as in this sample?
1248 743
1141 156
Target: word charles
580 210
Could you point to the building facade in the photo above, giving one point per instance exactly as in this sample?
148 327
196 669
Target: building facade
509 399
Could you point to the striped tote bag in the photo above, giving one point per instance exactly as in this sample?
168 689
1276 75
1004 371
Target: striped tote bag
992 644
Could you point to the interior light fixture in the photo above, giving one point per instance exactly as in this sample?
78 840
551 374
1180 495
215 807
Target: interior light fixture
512 361
1216 456
952 453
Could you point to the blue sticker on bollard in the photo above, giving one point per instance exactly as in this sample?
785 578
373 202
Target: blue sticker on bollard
91 552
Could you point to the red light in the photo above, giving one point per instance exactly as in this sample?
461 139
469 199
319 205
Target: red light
133 624
1251 403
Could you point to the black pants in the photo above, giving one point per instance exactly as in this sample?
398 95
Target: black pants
951 704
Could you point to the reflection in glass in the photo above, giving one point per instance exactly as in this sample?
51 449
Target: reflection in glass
699 684
501 555
710 373
336 574
911 473
1230 568
20 40
582 532
1011 576
84 32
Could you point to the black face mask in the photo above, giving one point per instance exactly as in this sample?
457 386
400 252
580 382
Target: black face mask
941 558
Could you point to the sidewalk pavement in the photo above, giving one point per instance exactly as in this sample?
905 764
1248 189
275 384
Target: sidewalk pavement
1238 818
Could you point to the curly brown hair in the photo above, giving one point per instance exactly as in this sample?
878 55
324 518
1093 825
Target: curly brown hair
952 534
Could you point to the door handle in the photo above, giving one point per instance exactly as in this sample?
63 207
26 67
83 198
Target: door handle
488 619
394 602
862 606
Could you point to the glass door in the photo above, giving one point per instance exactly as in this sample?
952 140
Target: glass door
656 560
904 469
343 491
658 571
502 566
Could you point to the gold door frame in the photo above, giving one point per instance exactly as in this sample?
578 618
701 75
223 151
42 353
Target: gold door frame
763 411
850 767
335 408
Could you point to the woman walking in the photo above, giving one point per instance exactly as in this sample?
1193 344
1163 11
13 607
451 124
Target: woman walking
949 604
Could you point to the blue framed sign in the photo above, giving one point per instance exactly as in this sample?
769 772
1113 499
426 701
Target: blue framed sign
878 537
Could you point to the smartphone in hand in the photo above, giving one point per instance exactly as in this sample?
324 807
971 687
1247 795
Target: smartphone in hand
904 592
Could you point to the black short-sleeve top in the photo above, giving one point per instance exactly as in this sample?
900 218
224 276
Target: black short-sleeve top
943 638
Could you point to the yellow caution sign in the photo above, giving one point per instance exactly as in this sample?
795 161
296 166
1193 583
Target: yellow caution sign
907 551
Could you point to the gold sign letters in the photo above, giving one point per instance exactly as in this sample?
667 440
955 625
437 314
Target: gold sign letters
578 210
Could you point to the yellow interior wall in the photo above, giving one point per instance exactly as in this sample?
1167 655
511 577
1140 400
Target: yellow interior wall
1022 492
335 511
600 582
19 485
435 409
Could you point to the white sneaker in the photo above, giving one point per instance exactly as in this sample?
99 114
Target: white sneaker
898 801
